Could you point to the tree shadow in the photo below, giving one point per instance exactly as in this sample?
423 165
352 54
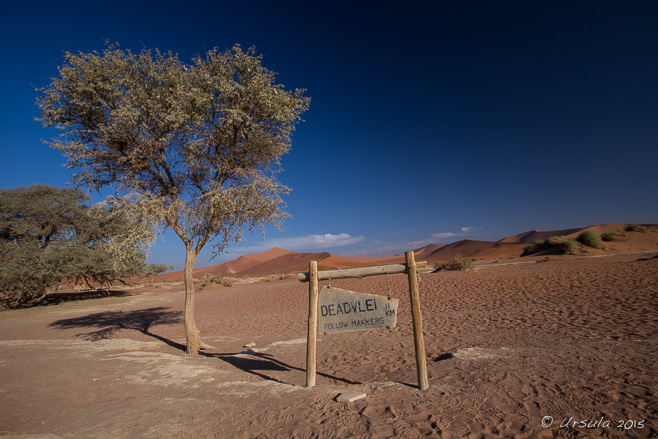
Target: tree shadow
76 296
109 322
255 363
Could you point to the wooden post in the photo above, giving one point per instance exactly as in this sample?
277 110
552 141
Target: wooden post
312 323
419 342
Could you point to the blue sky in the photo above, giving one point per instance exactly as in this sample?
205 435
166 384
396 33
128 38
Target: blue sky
429 121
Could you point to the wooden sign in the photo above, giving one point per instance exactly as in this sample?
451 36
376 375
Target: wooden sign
343 310
345 318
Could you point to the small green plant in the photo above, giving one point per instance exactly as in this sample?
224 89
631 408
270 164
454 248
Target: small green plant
569 246
635 228
591 239
610 236
458 263
553 241
563 245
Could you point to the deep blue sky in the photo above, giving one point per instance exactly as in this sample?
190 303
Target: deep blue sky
429 122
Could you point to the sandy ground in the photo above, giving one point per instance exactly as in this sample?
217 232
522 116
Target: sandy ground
565 348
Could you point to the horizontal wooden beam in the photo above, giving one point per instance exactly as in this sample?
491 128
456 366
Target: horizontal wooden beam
362 272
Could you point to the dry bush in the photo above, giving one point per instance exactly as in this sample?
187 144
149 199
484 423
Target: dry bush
458 263
209 279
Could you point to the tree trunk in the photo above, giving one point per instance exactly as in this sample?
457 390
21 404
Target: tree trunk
193 342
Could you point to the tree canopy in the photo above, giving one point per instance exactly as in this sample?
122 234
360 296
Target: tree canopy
49 235
195 147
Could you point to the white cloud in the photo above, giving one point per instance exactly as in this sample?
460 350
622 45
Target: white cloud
316 242
297 243
393 248
444 235
465 231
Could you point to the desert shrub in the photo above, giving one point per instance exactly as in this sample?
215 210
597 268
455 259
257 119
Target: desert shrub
279 276
591 239
565 246
553 241
569 246
209 279
635 228
610 236
457 263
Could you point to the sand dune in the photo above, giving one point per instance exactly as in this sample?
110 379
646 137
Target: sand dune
423 252
277 260
470 248
336 262
287 263
244 262
534 235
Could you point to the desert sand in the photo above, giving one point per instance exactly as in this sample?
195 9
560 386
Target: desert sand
565 348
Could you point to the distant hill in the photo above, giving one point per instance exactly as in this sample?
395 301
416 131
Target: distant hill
534 235
277 260
470 248
244 262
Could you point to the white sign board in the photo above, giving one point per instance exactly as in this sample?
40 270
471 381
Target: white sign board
343 310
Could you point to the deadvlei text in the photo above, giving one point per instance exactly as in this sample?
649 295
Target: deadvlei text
343 310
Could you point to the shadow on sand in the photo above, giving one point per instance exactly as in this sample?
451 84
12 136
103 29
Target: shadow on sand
109 322
256 363
75 296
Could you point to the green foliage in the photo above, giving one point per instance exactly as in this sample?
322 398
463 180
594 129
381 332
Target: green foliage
591 239
48 235
569 246
155 269
554 243
194 147
458 263
635 228
610 236
208 279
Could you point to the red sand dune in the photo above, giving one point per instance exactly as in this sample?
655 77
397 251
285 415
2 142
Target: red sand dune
534 235
277 260
427 250
336 262
600 228
470 248
288 263
243 263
